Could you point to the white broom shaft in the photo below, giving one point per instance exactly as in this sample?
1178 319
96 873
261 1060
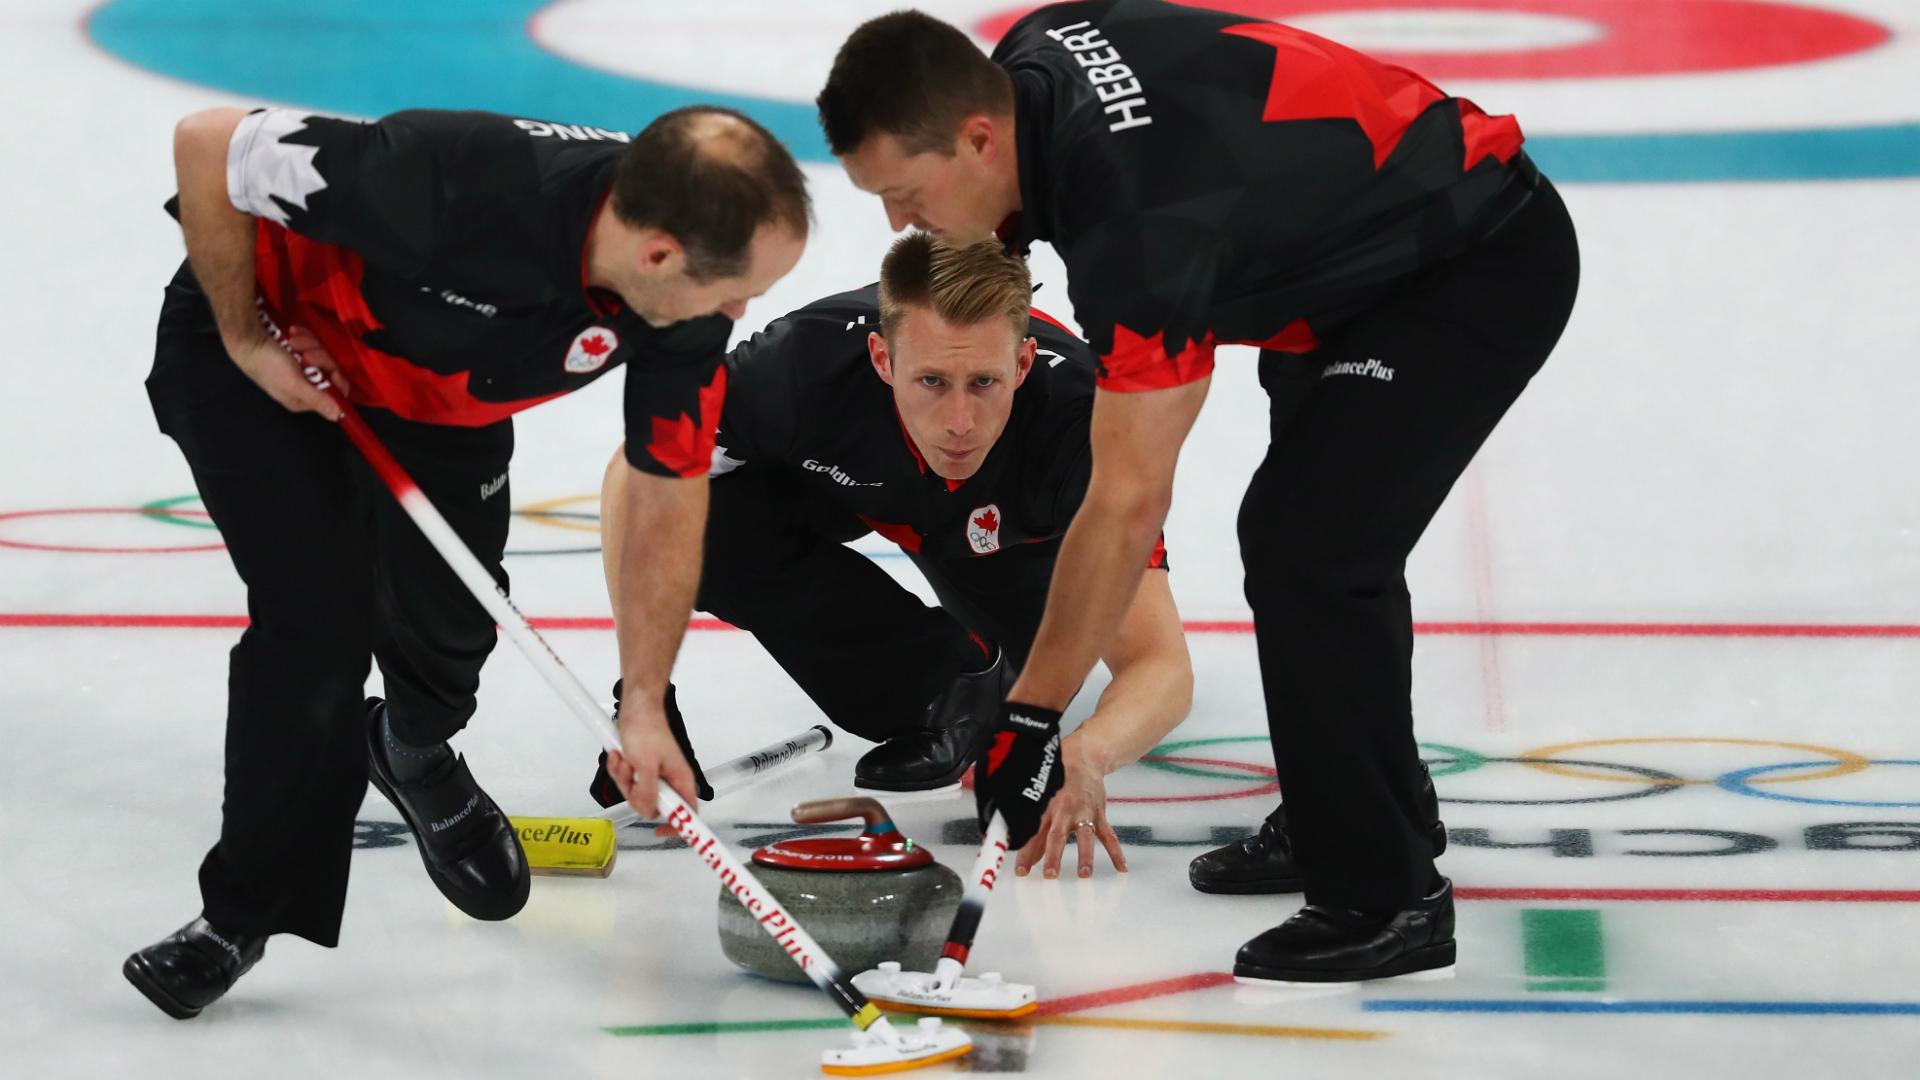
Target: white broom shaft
755 765
986 865
748 768
973 905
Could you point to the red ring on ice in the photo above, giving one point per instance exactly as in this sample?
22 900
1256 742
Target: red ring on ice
1643 37
1269 787
73 549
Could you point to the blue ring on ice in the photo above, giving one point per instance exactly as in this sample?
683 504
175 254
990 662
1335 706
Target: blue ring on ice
477 54
1737 782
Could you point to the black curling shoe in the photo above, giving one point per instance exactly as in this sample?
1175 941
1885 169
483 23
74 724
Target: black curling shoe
955 729
1263 862
1335 945
192 967
470 849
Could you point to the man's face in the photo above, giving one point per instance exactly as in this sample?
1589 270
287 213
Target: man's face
952 384
954 196
667 295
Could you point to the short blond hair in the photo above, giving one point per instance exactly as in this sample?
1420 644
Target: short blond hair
965 286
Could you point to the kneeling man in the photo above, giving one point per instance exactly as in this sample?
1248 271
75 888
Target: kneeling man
941 411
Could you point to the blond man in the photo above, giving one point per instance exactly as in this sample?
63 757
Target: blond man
938 409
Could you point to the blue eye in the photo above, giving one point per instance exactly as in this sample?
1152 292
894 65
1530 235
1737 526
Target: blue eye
985 381
931 382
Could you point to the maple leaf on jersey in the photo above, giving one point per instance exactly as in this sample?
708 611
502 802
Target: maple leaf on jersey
1316 79
987 521
594 346
685 443
277 174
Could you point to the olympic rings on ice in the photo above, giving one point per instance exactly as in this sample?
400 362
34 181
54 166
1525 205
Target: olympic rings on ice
1843 763
1446 760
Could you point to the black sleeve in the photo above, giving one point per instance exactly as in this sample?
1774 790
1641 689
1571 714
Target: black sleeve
1070 470
1069 452
763 400
1140 276
674 395
1062 370
379 189
1141 288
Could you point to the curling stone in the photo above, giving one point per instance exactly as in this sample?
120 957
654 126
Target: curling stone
867 898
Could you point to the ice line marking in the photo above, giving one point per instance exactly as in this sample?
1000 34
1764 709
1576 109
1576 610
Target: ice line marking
1692 1008
1054 1013
164 621
1711 896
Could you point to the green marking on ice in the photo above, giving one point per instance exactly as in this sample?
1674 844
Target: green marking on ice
1565 950
1567 986
162 510
716 1028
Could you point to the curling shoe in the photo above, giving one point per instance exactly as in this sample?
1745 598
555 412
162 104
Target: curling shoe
192 967
1264 863
471 851
955 729
1335 945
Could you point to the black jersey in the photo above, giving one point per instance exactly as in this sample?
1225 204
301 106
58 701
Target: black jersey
803 396
440 258
1210 178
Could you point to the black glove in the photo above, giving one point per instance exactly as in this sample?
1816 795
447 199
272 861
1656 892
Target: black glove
1021 771
607 793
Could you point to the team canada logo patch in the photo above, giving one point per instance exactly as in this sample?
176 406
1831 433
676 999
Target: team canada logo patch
591 349
983 529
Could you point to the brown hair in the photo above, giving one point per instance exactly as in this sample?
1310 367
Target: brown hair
963 285
911 76
710 177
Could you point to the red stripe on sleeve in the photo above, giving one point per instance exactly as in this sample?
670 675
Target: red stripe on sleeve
1142 363
904 535
1487 136
1048 319
1295 337
1159 557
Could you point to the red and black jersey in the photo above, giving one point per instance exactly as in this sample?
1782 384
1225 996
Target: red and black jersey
1211 178
802 396
439 256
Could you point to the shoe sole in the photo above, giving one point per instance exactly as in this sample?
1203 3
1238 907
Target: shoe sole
1262 887
144 981
1430 963
949 781
1281 886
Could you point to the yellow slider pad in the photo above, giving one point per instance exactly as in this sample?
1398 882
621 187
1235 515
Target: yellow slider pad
581 847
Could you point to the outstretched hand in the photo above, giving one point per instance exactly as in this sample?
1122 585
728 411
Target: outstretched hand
1078 813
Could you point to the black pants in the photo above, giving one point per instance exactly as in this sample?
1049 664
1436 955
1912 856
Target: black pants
1357 467
866 650
336 573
